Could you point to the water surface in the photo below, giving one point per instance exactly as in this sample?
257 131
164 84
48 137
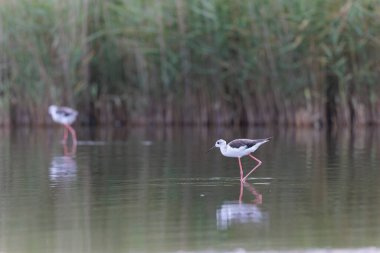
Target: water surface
156 190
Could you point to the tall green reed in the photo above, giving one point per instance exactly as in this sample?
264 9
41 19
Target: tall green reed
194 61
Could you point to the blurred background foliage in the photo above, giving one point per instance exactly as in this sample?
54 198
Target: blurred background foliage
120 62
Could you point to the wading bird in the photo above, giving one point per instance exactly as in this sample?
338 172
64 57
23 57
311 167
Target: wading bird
65 116
239 148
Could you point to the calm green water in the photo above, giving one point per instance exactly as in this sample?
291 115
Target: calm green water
156 190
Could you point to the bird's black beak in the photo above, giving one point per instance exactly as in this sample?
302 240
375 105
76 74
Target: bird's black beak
210 149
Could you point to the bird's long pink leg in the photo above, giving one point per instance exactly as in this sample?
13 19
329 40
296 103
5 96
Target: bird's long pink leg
73 134
65 150
241 169
65 132
259 163
241 192
258 197
68 152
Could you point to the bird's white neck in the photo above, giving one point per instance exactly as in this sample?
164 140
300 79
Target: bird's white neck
223 149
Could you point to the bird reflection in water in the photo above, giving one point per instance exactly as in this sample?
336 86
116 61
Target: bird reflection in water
239 213
64 168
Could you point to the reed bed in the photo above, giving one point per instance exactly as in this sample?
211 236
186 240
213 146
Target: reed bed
296 62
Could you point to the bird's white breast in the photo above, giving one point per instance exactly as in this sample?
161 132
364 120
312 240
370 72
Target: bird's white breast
238 152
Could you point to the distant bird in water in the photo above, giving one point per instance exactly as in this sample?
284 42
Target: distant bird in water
65 116
239 148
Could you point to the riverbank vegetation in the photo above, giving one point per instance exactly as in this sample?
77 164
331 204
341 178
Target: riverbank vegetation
303 63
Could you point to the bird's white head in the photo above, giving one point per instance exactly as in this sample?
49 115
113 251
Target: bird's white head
220 143
52 109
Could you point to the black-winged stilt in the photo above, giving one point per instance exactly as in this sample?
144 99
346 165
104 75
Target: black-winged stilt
239 148
65 116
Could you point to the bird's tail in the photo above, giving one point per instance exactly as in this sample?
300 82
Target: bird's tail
266 140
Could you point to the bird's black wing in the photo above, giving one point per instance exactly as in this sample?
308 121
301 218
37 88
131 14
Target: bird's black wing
63 112
247 143
238 143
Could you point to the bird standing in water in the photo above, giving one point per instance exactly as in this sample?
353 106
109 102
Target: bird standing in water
65 116
239 148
